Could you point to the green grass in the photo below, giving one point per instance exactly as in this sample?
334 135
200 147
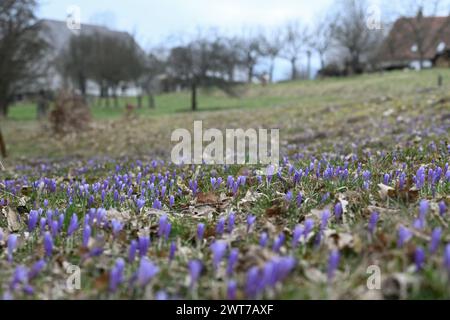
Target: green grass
333 90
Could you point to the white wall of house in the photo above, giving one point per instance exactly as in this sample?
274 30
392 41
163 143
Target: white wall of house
416 64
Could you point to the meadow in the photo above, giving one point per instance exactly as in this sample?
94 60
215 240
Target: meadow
363 189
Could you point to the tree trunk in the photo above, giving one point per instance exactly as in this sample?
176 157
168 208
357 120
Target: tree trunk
139 101
151 100
194 95
116 100
2 145
322 61
4 108
231 74
271 70
250 74
294 68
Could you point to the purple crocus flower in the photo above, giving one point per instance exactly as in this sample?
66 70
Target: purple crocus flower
373 222
86 235
20 276
423 209
435 240
12 244
231 220
132 251
116 275
117 226
218 249
42 224
442 208
232 260
172 250
404 234
447 258
36 269
420 178
269 172
144 244
147 270
157 204
33 220
279 241
250 221
299 200
140 203
54 227
200 232
419 258
324 219
338 210
167 230
163 220
195 268
220 226
298 232
309 226
333 263
252 282
171 200
48 244
419 224
161 296
263 239
231 290
288 197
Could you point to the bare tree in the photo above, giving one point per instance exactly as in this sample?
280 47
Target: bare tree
76 62
272 44
21 49
296 40
250 53
200 63
352 34
154 66
116 61
322 40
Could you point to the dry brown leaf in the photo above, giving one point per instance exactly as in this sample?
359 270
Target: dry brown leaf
102 281
207 198
12 218
203 211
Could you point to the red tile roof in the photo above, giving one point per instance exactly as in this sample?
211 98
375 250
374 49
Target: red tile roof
406 33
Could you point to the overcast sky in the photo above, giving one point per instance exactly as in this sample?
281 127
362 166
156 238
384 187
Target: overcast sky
152 21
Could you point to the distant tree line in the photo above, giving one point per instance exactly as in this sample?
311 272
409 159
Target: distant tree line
340 39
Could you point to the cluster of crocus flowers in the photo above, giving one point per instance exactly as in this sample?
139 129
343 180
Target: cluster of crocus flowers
273 272
116 276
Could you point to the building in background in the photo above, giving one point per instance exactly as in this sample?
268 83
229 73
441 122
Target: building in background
415 43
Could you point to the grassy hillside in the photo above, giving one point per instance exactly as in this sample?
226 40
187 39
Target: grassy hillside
300 93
